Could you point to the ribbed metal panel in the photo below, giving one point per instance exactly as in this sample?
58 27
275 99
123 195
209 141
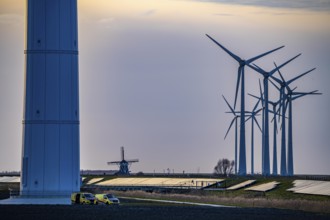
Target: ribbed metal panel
50 154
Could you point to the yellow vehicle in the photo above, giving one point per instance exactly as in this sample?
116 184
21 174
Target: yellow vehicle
108 199
83 198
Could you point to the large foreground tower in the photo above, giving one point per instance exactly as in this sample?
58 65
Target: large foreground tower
50 152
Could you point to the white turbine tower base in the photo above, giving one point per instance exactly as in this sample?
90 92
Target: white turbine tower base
50 154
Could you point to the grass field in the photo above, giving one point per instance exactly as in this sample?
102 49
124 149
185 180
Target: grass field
135 210
278 198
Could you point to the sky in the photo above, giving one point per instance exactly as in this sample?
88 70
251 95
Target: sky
151 81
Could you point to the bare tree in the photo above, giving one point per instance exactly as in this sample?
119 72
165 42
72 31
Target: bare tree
224 167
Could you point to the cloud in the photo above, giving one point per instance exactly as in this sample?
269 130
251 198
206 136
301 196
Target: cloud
223 14
315 5
11 19
106 22
149 12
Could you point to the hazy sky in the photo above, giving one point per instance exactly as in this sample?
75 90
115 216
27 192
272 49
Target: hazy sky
150 80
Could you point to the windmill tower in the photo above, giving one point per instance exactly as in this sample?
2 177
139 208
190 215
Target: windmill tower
124 165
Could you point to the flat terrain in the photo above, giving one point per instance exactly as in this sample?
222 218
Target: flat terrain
131 209
275 204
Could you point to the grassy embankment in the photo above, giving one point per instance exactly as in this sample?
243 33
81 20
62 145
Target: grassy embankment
4 189
276 198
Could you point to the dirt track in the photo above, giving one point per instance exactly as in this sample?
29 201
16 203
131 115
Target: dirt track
137 210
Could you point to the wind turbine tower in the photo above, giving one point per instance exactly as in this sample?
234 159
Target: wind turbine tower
50 148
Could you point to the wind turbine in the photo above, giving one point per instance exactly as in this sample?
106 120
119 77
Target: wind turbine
283 170
263 120
274 105
290 138
240 77
290 98
283 97
234 120
254 113
263 126
266 75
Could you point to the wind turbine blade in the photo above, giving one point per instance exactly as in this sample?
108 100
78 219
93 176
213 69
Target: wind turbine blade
231 124
283 80
274 84
271 111
258 110
256 105
279 72
257 69
248 118
281 106
276 79
254 96
225 49
298 96
255 65
257 123
261 93
286 106
231 109
274 118
297 77
261 55
306 93
315 92
237 85
279 110
301 94
283 64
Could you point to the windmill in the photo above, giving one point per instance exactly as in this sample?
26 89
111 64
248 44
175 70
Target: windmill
283 97
124 165
240 77
266 75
